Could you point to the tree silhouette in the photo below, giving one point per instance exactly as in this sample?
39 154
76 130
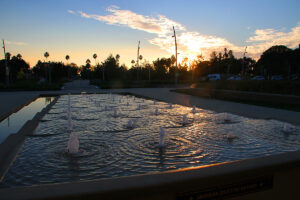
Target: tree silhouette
67 57
88 61
95 57
19 56
7 56
46 55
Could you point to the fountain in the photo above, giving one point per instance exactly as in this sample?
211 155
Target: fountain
156 111
194 110
105 108
73 143
224 118
287 128
115 115
162 134
130 124
139 107
185 119
135 138
230 136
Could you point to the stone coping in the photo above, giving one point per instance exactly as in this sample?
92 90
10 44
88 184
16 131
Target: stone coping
176 184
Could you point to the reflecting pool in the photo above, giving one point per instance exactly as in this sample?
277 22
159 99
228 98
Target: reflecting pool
119 135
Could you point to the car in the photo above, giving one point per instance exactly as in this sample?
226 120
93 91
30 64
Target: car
277 77
294 77
237 78
214 77
258 78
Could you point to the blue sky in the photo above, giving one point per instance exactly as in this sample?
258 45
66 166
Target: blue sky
80 28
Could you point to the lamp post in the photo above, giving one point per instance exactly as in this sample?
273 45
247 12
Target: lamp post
137 61
6 67
243 63
176 69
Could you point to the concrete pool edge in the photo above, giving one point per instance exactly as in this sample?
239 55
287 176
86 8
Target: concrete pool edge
239 178
10 147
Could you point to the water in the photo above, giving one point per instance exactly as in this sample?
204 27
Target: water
109 148
14 122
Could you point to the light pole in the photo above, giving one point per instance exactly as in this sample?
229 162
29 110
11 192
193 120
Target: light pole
176 70
137 61
243 63
6 68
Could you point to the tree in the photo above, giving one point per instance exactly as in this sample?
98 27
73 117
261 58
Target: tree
95 57
46 55
88 61
275 61
19 56
67 57
7 56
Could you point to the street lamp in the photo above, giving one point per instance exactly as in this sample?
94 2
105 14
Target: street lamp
176 70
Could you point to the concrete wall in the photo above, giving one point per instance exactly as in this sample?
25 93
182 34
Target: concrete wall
272 177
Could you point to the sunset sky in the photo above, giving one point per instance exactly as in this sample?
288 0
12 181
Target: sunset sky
81 28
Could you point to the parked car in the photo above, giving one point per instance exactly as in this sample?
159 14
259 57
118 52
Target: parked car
214 77
277 77
237 78
258 78
294 77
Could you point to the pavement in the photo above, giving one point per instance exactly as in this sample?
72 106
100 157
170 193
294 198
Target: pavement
10 101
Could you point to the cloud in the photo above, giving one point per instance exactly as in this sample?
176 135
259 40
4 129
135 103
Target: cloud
71 12
265 38
15 43
193 43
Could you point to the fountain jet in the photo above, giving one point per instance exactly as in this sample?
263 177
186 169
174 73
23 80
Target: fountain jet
156 111
287 128
194 110
73 143
130 124
185 119
162 135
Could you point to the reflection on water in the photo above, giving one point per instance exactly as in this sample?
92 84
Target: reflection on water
109 148
15 121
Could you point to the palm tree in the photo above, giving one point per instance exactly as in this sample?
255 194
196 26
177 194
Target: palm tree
95 56
46 55
132 62
67 57
19 56
7 56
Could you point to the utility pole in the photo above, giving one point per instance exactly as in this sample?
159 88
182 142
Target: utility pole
137 61
243 63
176 69
6 67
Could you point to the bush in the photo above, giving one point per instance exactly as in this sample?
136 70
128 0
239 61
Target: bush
278 87
30 85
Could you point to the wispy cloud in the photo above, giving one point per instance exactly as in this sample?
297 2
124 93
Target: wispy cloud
192 43
71 12
15 43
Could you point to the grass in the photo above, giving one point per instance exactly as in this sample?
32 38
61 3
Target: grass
267 101
275 87
30 85
119 84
